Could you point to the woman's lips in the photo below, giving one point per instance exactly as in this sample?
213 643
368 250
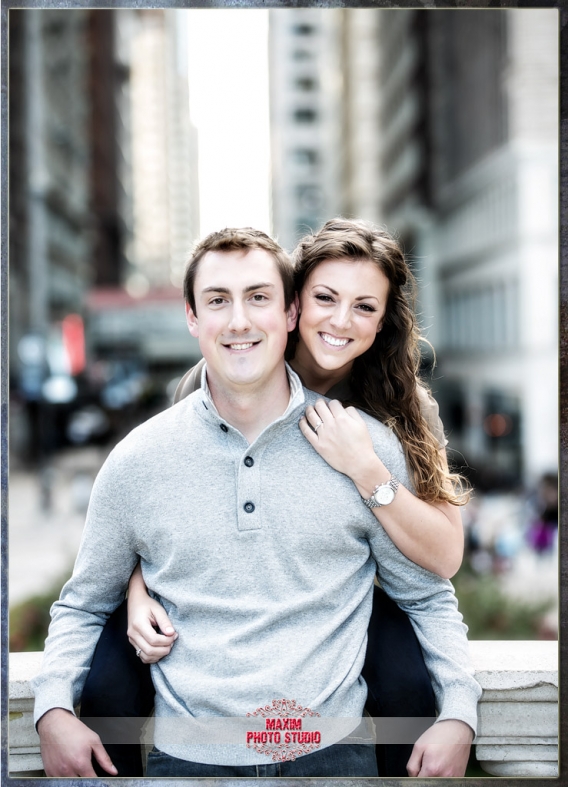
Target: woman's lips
334 341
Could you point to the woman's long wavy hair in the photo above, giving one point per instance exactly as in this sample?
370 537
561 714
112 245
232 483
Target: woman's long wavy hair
384 380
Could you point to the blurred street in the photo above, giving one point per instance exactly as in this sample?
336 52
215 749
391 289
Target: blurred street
499 525
46 520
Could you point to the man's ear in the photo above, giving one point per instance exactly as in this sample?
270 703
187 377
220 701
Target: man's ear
292 313
191 320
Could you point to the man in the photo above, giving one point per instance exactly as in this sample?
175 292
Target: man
261 553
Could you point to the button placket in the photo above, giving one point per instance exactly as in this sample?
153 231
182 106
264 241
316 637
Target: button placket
248 493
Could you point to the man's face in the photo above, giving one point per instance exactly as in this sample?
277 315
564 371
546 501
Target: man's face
241 322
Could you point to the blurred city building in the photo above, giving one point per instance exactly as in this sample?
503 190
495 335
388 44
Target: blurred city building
361 118
142 321
160 148
63 212
103 194
305 116
469 117
52 234
325 93
443 125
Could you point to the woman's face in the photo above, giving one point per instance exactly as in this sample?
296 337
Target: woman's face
342 306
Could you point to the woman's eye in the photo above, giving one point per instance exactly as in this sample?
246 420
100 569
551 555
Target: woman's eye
366 307
324 298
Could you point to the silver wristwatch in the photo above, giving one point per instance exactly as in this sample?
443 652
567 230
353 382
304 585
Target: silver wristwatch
383 494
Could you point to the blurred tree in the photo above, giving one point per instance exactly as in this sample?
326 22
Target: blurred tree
490 614
29 620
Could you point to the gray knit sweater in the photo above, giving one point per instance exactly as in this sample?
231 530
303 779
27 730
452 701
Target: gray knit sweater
265 569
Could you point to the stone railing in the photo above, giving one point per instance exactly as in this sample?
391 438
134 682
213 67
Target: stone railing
518 712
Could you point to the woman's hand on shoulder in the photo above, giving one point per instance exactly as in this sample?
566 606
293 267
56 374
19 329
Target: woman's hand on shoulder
429 534
145 616
339 435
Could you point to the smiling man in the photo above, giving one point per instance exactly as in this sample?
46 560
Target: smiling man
262 555
240 310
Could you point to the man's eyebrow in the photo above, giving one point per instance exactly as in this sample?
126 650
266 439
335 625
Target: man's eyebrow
250 288
262 286
224 290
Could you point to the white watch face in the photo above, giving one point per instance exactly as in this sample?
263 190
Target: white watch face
384 495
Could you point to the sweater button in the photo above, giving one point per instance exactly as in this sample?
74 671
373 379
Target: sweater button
249 507
224 428
249 461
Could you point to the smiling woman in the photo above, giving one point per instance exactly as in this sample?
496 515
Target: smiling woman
341 317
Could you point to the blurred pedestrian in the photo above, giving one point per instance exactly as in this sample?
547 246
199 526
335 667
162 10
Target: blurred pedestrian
543 530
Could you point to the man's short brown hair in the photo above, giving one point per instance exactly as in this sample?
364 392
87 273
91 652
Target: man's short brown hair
241 239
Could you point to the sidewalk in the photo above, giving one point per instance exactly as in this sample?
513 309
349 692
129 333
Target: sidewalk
43 544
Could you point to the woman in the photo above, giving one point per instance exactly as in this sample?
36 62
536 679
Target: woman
356 341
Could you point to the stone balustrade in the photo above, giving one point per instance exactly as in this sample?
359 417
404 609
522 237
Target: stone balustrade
518 712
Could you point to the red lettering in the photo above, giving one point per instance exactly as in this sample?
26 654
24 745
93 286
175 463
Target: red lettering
289 737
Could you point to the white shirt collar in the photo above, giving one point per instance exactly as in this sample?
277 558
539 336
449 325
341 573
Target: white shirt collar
296 389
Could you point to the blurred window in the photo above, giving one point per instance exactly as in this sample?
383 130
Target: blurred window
306 156
482 318
304 30
472 56
302 54
309 197
305 115
306 83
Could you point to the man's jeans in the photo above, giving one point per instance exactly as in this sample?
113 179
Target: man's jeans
342 759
